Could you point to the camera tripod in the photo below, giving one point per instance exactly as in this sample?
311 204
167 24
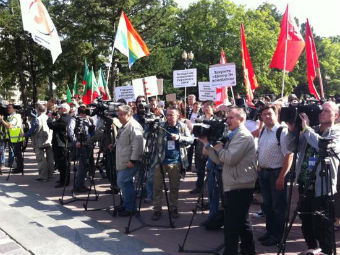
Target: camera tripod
68 170
109 159
151 139
327 214
218 182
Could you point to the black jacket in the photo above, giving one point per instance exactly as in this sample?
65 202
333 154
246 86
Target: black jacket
59 130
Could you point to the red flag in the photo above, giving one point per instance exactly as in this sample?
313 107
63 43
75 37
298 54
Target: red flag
250 80
312 61
91 90
221 93
223 59
289 46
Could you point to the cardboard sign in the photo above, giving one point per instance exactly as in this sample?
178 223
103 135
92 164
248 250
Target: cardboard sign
185 78
125 92
206 92
170 97
138 87
151 86
222 75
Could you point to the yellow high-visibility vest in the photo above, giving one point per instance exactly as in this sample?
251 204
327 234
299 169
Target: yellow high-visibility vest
14 133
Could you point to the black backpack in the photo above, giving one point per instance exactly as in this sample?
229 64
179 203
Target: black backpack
278 135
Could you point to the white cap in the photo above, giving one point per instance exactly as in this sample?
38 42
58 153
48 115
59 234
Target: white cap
65 106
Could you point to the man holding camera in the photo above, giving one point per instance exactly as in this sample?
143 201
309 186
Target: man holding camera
59 142
238 157
172 139
316 190
15 131
274 161
129 151
79 133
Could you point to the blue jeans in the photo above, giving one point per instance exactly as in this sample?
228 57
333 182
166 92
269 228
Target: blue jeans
274 202
83 154
125 183
214 189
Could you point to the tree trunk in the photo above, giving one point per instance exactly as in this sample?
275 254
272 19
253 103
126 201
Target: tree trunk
20 65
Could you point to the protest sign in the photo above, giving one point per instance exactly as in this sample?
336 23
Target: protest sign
185 78
206 92
151 86
170 97
222 75
138 87
125 92
160 86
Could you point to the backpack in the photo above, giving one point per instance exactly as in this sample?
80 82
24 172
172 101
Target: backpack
278 135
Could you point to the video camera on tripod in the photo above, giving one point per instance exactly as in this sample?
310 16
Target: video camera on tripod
212 129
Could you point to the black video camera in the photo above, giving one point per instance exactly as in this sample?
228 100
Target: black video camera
212 129
291 113
105 109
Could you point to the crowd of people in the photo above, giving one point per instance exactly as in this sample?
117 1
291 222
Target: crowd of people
253 151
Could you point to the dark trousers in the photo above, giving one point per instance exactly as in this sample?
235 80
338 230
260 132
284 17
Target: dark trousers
17 148
60 157
316 228
274 202
190 154
236 222
200 163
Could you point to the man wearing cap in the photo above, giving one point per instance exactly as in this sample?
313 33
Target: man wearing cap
59 143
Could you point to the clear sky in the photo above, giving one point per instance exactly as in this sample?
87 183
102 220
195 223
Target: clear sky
323 15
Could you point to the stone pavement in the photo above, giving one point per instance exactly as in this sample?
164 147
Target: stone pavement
35 222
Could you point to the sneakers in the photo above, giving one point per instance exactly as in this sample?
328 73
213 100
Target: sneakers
17 171
81 189
125 213
156 215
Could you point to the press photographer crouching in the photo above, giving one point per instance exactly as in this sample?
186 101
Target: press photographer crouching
317 182
238 157
79 130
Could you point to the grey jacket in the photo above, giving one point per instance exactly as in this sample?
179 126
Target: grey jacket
239 161
129 144
311 137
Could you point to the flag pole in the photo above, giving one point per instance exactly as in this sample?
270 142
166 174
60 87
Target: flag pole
285 58
321 83
232 93
185 102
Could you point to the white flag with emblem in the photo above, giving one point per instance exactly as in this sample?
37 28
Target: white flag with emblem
37 21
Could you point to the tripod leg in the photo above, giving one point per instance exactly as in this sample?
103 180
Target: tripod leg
68 169
166 195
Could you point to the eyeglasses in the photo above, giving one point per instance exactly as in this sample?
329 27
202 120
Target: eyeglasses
142 101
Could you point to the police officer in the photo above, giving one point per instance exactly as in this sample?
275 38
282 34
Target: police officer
14 128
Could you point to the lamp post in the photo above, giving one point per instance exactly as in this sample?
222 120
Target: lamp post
188 59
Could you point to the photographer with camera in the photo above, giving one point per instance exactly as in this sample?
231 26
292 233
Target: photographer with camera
315 205
58 123
274 162
200 159
14 129
79 133
172 139
238 157
42 143
129 151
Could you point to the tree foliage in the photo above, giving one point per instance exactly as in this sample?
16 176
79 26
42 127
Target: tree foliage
87 30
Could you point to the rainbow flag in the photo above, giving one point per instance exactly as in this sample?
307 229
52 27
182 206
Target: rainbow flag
129 42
